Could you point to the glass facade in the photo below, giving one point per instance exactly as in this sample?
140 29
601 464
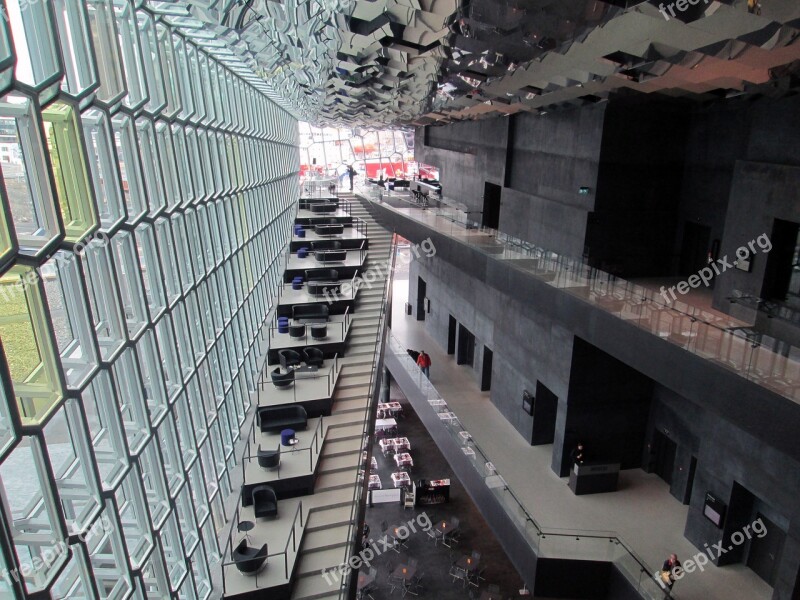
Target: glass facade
147 187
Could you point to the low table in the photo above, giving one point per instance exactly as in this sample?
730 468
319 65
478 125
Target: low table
401 479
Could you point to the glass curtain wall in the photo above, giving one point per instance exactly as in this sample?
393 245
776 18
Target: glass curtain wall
147 187
327 152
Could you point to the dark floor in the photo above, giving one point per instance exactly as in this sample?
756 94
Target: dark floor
435 561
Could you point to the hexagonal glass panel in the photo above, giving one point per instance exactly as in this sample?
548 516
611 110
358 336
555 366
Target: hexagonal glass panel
67 156
26 174
80 76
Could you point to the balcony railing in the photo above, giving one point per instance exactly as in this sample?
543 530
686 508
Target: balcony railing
565 544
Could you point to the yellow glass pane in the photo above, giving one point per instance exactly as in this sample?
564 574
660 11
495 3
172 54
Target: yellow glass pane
28 346
65 145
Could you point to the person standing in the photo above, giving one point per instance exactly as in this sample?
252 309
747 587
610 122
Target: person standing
424 362
352 173
578 455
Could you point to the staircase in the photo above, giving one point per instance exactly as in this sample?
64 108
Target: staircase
326 536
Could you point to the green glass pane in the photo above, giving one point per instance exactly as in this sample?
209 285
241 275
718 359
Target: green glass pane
28 346
65 145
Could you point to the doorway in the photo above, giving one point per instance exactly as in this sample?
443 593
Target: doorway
687 495
491 205
765 552
466 347
486 374
422 292
545 412
782 275
664 450
451 335
694 250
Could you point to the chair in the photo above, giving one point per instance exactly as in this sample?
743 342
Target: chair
281 380
452 539
457 573
265 502
313 357
475 577
249 560
289 358
297 331
414 586
269 459
318 332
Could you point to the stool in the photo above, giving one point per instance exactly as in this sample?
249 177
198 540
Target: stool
302 252
301 233
297 283
287 437
283 324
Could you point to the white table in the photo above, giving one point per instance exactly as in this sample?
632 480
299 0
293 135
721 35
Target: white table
381 424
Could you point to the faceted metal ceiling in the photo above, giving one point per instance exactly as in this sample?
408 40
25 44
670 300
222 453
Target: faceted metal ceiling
400 62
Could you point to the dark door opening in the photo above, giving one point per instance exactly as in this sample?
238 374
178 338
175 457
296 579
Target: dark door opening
687 496
466 347
782 274
694 250
765 552
422 292
491 205
664 450
451 335
545 410
486 375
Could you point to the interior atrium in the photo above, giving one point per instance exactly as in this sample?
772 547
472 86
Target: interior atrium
337 299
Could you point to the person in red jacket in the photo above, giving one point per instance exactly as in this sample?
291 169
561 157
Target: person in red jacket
424 362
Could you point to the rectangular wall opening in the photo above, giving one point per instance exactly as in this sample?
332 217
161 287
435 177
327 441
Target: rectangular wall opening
466 347
486 375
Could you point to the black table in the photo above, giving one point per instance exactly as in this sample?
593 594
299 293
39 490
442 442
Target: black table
244 527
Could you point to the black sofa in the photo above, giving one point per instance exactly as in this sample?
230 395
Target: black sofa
324 256
311 311
326 245
322 275
320 288
324 207
273 419
329 229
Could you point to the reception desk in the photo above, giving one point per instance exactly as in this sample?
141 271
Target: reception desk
594 478
436 491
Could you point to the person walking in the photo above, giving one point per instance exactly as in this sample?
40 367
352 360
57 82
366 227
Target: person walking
424 362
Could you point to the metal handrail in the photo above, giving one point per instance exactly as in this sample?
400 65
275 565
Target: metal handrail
540 533
356 512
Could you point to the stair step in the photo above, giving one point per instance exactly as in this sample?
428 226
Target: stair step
335 464
351 381
316 588
313 563
341 406
324 539
335 481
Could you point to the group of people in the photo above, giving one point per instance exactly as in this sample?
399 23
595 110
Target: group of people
423 361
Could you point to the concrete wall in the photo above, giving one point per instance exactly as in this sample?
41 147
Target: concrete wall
467 154
740 432
500 325
540 163
727 456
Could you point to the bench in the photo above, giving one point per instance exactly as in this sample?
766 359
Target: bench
273 419
310 311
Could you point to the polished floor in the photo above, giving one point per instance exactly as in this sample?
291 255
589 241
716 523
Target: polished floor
642 512
434 560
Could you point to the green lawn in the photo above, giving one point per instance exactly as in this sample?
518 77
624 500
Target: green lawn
16 333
